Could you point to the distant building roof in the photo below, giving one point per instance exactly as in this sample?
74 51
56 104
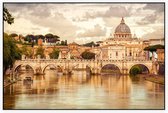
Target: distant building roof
122 27
112 45
156 39
73 43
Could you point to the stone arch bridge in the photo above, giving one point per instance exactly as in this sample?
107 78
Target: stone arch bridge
68 65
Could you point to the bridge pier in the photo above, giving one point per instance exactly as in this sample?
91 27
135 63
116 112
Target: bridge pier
124 71
67 71
96 71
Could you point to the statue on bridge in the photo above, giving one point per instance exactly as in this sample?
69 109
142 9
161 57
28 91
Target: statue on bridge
59 57
69 55
47 57
23 57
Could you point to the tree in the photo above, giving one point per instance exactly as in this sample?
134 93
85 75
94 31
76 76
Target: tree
40 51
21 37
7 16
29 38
62 42
135 70
65 42
41 36
27 51
154 48
54 54
49 35
13 35
90 44
88 55
10 53
52 38
56 38
36 37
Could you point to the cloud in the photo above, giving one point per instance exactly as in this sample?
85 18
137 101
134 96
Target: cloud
45 16
40 10
113 11
117 11
97 31
158 11
78 19
96 21
158 33
58 25
150 19
159 8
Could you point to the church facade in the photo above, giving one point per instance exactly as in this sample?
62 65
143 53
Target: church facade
122 45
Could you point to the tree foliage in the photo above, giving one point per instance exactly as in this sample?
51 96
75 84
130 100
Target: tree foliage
49 35
7 16
88 55
154 48
25 50
90 44
10 52
135 70
40 51
52 38
13 35
63 43
39 37
54 54
33 39
29 38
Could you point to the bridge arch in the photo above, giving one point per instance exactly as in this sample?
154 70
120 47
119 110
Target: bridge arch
75 66
55 67
18 66
113 68
145 68
88 69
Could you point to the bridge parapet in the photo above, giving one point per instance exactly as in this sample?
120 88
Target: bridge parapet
78 60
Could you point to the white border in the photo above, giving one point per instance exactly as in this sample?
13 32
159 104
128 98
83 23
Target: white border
76 111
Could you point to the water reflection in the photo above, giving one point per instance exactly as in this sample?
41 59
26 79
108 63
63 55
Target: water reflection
79 91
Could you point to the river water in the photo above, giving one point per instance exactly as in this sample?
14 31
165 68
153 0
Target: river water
78 91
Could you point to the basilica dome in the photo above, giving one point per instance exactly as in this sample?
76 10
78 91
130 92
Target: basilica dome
122 31
122 28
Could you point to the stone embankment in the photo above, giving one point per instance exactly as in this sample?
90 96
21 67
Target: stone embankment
154 78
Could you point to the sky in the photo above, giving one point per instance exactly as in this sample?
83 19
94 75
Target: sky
84 23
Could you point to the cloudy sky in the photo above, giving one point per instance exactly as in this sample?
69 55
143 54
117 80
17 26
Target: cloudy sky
86 22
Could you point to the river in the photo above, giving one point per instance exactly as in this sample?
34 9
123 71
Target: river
78 91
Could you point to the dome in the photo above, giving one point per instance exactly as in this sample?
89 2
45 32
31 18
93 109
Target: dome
122 28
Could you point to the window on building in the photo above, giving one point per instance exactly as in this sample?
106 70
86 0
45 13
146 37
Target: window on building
130 54
116 53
